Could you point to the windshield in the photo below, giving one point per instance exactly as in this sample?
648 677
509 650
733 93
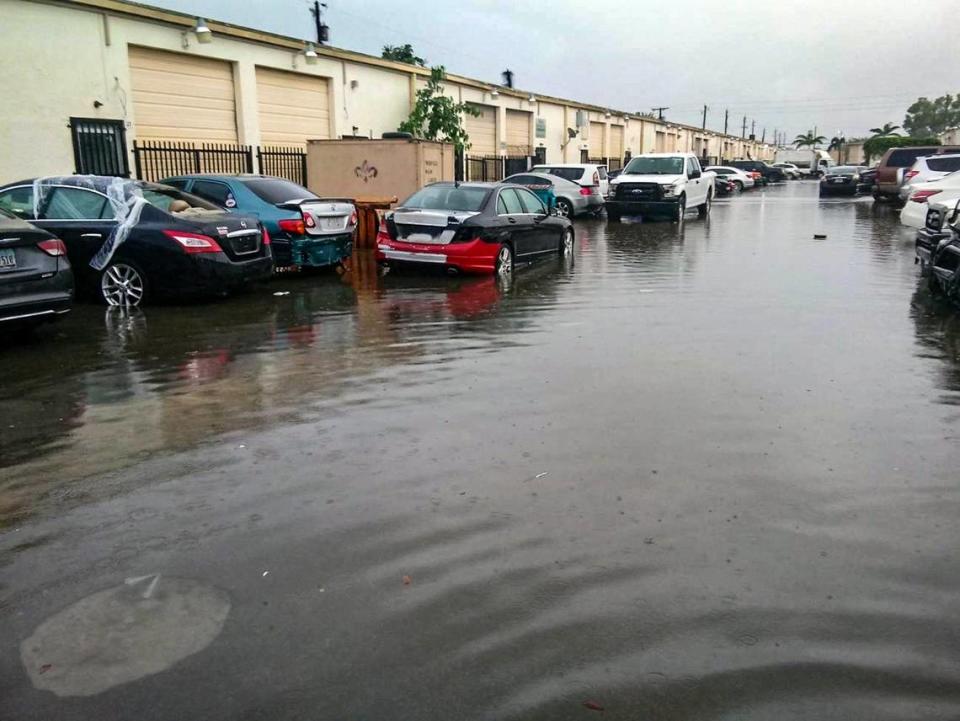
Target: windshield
655 166
448 197
277 190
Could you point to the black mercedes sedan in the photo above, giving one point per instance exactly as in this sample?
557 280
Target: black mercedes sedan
841 180
129 240
36 284
473 228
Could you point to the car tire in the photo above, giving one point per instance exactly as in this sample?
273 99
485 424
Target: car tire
933 285
680 209
122 283
564 208
703 210
503 267
739 184
613 217
566 243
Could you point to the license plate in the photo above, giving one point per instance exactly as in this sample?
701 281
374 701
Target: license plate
837 180
8 259
331 223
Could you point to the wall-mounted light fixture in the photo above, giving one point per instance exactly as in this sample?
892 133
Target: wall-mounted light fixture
310 53
608 115
200 29
494 93
532 98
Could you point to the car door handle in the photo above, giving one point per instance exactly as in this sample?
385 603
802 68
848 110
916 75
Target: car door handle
511 220
91 235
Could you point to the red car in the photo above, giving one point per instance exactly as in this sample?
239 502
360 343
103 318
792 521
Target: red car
472 228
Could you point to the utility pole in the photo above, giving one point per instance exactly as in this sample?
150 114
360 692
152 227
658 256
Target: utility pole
743 130
705 109
726 120
763 137
753 128
323 31
659 112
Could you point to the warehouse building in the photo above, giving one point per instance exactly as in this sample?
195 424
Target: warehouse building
125 88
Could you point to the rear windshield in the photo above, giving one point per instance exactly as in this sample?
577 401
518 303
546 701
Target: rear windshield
448 197
572 174
276 190
602 172
944 165
655 166
843 170
907 156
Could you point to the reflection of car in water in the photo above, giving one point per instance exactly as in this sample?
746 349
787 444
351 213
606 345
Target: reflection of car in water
472 227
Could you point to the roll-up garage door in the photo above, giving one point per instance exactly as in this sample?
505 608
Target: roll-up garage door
482 130
616 141
518 132
293 107
596 140
182 97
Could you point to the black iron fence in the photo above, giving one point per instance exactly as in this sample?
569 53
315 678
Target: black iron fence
513 164
614 163
289 163
157 159
487 168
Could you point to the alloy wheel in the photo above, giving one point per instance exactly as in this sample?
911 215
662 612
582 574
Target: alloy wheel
563 209
504 261
122 284
566 247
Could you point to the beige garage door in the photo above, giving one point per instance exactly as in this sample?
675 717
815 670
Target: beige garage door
518 132
616 141
596 140
182 97
482 130
293 107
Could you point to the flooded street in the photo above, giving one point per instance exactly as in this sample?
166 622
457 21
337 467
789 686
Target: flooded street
700 472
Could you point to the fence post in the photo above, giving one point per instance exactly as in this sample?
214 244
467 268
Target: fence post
303 169
136 160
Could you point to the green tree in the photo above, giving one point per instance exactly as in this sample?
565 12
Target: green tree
402 54
886 130
808 139
932 117
836 143
876 147
436 116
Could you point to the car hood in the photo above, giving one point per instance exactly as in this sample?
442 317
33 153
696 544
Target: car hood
944 183
947 201
662 179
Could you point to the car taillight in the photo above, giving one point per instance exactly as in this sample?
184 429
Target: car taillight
920 196
193 242
588 191
294 226
383 234
54 246
909 174
596 178
265 236
353 218
309 221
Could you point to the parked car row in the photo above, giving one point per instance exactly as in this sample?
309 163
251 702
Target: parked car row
896 166
126 241
937 248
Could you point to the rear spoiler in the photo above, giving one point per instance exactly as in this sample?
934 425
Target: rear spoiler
295 204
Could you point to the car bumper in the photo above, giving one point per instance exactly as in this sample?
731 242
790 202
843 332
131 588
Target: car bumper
838 189
477 256
914 215
926 244
212 274
35 307
641 207
888 190
320 252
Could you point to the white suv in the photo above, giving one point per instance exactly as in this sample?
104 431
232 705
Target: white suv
661 184
932 167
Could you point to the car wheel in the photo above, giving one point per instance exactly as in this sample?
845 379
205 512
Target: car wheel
934 285
680 209
566 243
504 264
564 208
739 184
613 217
123 283
703 210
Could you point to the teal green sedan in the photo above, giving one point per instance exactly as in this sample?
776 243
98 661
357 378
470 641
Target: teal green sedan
301 235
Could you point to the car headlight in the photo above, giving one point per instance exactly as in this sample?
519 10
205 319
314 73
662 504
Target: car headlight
669 188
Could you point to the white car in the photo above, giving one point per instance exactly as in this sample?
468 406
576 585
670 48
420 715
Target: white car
585 175
789 169
914 212
663 184
734 175
932 167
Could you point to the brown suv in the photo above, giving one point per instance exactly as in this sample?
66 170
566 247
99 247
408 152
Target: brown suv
894 164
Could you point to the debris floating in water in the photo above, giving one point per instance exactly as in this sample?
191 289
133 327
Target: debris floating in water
282 292
541 475
819 236
593 706
407 580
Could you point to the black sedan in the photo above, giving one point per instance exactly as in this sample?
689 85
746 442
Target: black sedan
841 180
128 240
36 284
473 228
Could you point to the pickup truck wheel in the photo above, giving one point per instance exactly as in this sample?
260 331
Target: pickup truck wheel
703 210
564 208
680 209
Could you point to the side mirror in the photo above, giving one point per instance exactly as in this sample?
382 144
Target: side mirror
552 211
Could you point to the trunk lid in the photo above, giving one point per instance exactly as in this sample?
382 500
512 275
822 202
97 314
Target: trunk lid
435 227
20 258
240 236
324 216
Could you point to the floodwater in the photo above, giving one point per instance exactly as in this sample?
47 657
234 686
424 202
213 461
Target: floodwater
706 472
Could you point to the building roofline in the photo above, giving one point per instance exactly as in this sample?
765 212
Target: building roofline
175 17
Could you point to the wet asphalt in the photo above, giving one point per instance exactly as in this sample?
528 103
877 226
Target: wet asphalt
706 471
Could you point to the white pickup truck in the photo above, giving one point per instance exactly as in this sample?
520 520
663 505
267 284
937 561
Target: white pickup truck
661 184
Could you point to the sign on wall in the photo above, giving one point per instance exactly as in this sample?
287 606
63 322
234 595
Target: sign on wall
541 131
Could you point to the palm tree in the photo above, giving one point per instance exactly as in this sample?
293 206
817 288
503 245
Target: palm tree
836 142
809 139
887 129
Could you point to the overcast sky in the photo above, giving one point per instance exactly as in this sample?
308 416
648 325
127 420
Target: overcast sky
840 65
